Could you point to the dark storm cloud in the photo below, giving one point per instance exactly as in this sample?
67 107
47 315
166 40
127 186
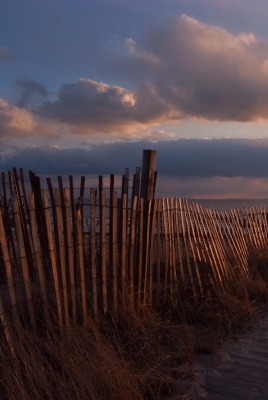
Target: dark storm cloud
29 88
179 158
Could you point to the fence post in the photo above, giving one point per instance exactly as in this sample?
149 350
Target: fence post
148 181
148 175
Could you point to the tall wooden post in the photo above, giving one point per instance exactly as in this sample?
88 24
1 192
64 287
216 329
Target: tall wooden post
148 181
148 175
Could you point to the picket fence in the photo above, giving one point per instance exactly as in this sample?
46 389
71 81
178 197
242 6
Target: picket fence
67 253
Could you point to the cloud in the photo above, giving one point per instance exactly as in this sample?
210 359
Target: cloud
223 168
91 103
15 121
184 158
187 69
206 71
29 88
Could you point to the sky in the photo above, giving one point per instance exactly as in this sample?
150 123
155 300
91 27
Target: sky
86 85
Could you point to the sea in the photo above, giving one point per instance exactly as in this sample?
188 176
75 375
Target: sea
228 204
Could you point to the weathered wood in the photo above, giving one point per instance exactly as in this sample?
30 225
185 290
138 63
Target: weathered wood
53 258
93 201
10 184
193 246
114 250
25 197
166 248
243 246
81 198
4 192
72 212
6 329
151 251
69 253
204 238
37 254
220 253
146 250
103 245
158 250
179 244
148 174
131 261
22 213
24 263
8 266
81 261
171 248
62 259
123 254
185 236
140 251
55 213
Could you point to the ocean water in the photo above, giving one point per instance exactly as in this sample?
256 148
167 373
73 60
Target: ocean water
228 204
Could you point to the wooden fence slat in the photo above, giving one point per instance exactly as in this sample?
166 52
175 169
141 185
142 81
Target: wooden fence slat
166 252
234 237
209 240
103 245
131 260
93 201
140 252
219 250
212 237
179 244
258 224
6 329
25 197
52 257
72 212
23 214
9 274
146 248
4 192
62 261
193 245
152 251
158 251
69 253
24 263
220 243
205 241
114 248
37 253
172 265
243 245
10 184
231 240
81 261
123 247
185 236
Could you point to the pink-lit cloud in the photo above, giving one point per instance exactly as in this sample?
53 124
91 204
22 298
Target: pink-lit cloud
15 121
185 70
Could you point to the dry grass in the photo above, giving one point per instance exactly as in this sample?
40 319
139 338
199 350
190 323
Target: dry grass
128 357
131 355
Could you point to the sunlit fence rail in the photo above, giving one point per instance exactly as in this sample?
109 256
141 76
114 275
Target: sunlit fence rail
68 253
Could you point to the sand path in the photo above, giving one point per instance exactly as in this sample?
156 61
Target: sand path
238 372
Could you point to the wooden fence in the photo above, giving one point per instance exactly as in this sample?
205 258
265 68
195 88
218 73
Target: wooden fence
67 253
